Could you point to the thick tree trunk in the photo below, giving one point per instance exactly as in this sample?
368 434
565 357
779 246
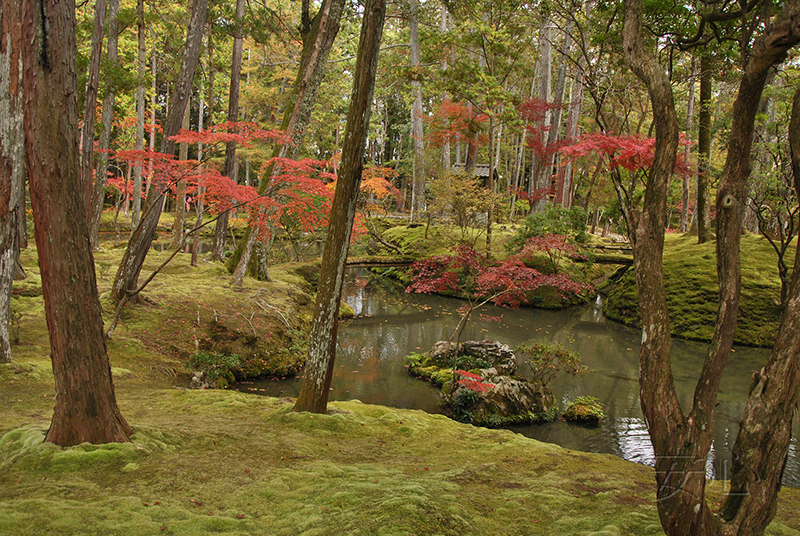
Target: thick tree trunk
98 191
679 453
681 443
759 454
704 152
12 154
418 184
218 251
136 208
92 86
322 340
139 244
86 407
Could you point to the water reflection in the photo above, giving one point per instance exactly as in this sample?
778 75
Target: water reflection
391 324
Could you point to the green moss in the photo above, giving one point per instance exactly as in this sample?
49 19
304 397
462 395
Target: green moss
585 410
690 278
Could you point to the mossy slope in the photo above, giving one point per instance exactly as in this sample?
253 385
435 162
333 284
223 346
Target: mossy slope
690 277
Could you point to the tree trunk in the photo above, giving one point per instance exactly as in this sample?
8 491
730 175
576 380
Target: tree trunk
218 251
322 340
703 206
139 244
417 133
688 151
12 154
86 408
180 193
681 443
98 191
136 210
92 86
759 454
680 463
318 37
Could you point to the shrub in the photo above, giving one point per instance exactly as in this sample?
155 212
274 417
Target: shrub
546 360
218 368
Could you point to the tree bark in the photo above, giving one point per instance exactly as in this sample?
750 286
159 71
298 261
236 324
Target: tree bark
86 407
98 191
139 244
12 154
322 340
92 86
679 461
218 251
759 454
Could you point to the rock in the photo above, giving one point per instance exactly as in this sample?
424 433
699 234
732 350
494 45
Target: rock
200 381
474 355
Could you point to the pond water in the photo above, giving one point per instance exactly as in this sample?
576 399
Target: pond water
391 324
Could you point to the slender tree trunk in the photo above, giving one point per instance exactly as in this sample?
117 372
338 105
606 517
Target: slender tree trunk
180 194
12 154
443 27
98 191
680 464
139 244
318 37
759 453
86 408
688 151
703 206
218 250
322 340
92 86
136 210
418 184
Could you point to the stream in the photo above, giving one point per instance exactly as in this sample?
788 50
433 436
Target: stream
391 324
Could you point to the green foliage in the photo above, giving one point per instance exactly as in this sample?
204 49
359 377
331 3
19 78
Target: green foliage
553 220
546 360
585 410
461 200
217 367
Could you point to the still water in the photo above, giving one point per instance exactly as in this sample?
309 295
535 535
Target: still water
390 324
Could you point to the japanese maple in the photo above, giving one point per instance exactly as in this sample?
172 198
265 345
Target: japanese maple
467 274
455 122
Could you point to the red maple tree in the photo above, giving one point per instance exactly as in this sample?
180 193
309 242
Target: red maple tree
467 274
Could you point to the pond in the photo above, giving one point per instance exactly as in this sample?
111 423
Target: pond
391 324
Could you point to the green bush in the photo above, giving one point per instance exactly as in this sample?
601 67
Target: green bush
552 220
218 368
546 360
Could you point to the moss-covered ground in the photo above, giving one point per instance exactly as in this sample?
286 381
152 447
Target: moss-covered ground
690 277
210 461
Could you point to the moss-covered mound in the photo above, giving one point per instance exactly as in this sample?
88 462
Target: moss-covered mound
479 386
586 410
690 276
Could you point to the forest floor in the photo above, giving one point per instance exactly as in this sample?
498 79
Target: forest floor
218 461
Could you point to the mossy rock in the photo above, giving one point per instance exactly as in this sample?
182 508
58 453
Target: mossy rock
585 410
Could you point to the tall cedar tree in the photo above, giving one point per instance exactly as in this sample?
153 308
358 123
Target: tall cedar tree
682 441
86 408
322 340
